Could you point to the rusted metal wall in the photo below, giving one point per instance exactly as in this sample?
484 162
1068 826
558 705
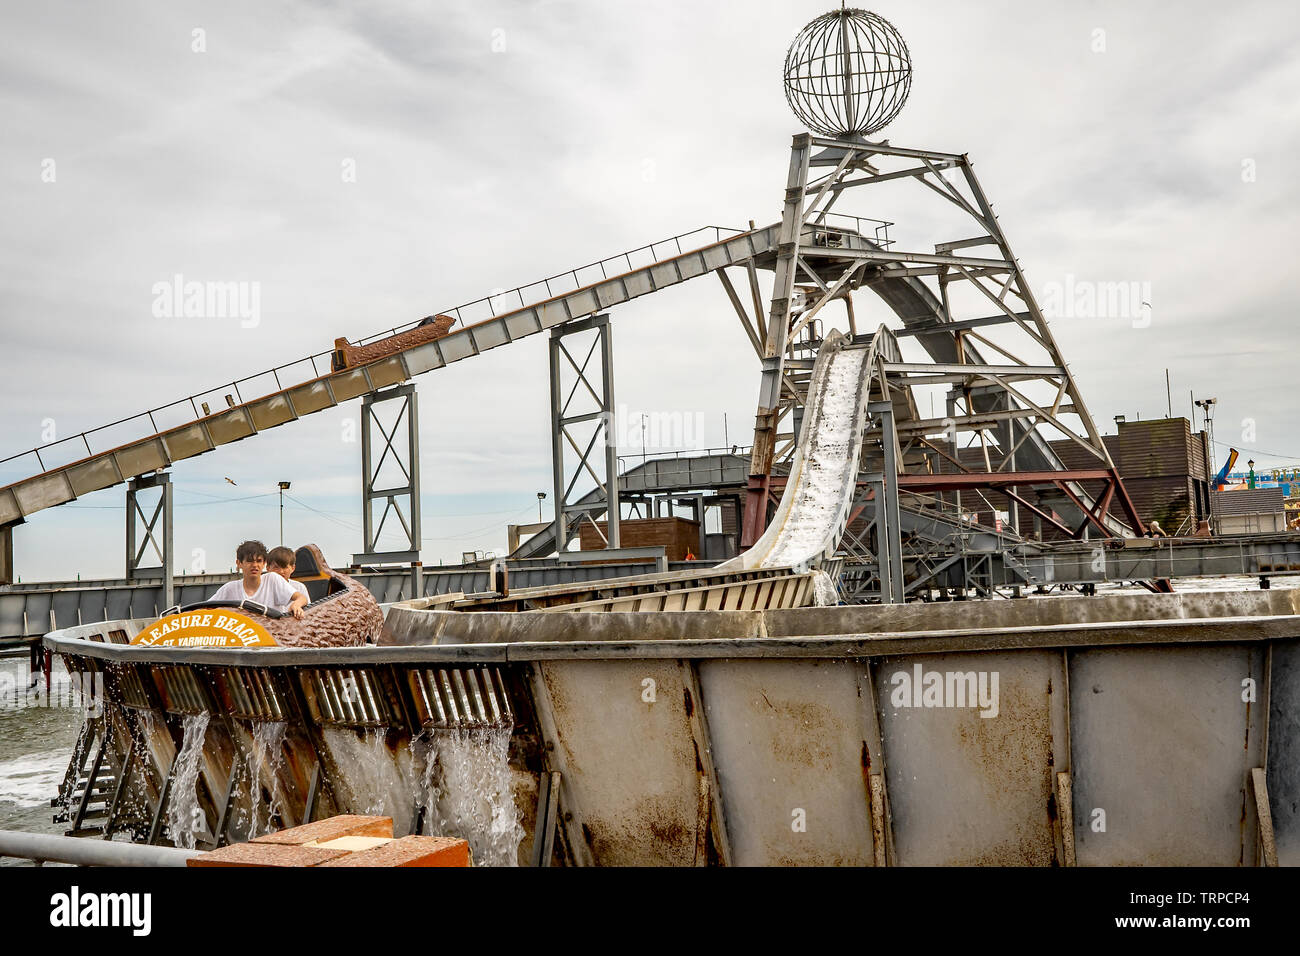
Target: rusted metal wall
1162 744
795 744
1134 730
967 789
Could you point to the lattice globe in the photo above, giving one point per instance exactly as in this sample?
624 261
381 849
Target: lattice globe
847 73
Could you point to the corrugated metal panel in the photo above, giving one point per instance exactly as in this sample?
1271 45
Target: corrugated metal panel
1167 499
1198 463
1154 449
1244 501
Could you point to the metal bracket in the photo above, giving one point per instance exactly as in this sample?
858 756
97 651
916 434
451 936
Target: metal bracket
548 804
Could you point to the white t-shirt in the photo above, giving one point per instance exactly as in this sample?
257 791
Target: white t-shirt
274 591
299 587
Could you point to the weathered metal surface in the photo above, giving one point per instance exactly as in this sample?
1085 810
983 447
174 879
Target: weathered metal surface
970 757
790 744
1284 750
631 790
1162 753
778 737
1264 813
780 591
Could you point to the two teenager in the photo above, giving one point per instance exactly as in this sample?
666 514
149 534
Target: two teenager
266 579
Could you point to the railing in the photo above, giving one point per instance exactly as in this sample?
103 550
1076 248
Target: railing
163 417
64 451
836 223
737 450
522 296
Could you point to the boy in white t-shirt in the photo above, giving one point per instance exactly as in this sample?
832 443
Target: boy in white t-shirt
256 585
282 561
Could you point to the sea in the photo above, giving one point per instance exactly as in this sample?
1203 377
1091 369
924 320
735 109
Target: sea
37 737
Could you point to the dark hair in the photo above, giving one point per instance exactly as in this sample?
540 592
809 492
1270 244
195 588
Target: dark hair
281 557
250 550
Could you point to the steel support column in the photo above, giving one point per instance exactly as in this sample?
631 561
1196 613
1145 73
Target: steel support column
592 405
160 539
7 574
394 496
891 543
778 327
880 529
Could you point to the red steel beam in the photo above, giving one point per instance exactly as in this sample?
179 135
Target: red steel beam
1036 510
998 479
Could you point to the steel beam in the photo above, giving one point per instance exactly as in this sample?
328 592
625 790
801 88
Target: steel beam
161 540
891 542
403 500
600 390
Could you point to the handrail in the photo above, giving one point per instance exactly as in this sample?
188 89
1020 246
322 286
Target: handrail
623 258
684 453
656 251
859 224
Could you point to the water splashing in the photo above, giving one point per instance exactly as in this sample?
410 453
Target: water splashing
824 593
184 818
377 781
470 793
264 764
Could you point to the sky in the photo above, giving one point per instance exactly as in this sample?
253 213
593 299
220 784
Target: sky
363 165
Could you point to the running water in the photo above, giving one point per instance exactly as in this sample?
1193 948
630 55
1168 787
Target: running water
470 793
377 781
38 734
264 763
824 593
827 467
184 818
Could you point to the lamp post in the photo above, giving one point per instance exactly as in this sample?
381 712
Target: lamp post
284 486
1250 478
541 496
1206 405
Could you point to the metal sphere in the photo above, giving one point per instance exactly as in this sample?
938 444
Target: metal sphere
847 73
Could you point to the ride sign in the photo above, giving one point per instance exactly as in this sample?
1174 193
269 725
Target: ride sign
209 628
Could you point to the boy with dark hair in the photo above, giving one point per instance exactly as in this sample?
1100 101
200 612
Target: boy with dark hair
282 561
269 589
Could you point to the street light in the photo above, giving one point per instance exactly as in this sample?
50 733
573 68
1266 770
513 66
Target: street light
1206 405
284 486
1251 477
541 496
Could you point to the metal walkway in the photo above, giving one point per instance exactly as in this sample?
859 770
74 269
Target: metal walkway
185 429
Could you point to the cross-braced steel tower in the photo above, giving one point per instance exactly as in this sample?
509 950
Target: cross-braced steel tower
977 336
